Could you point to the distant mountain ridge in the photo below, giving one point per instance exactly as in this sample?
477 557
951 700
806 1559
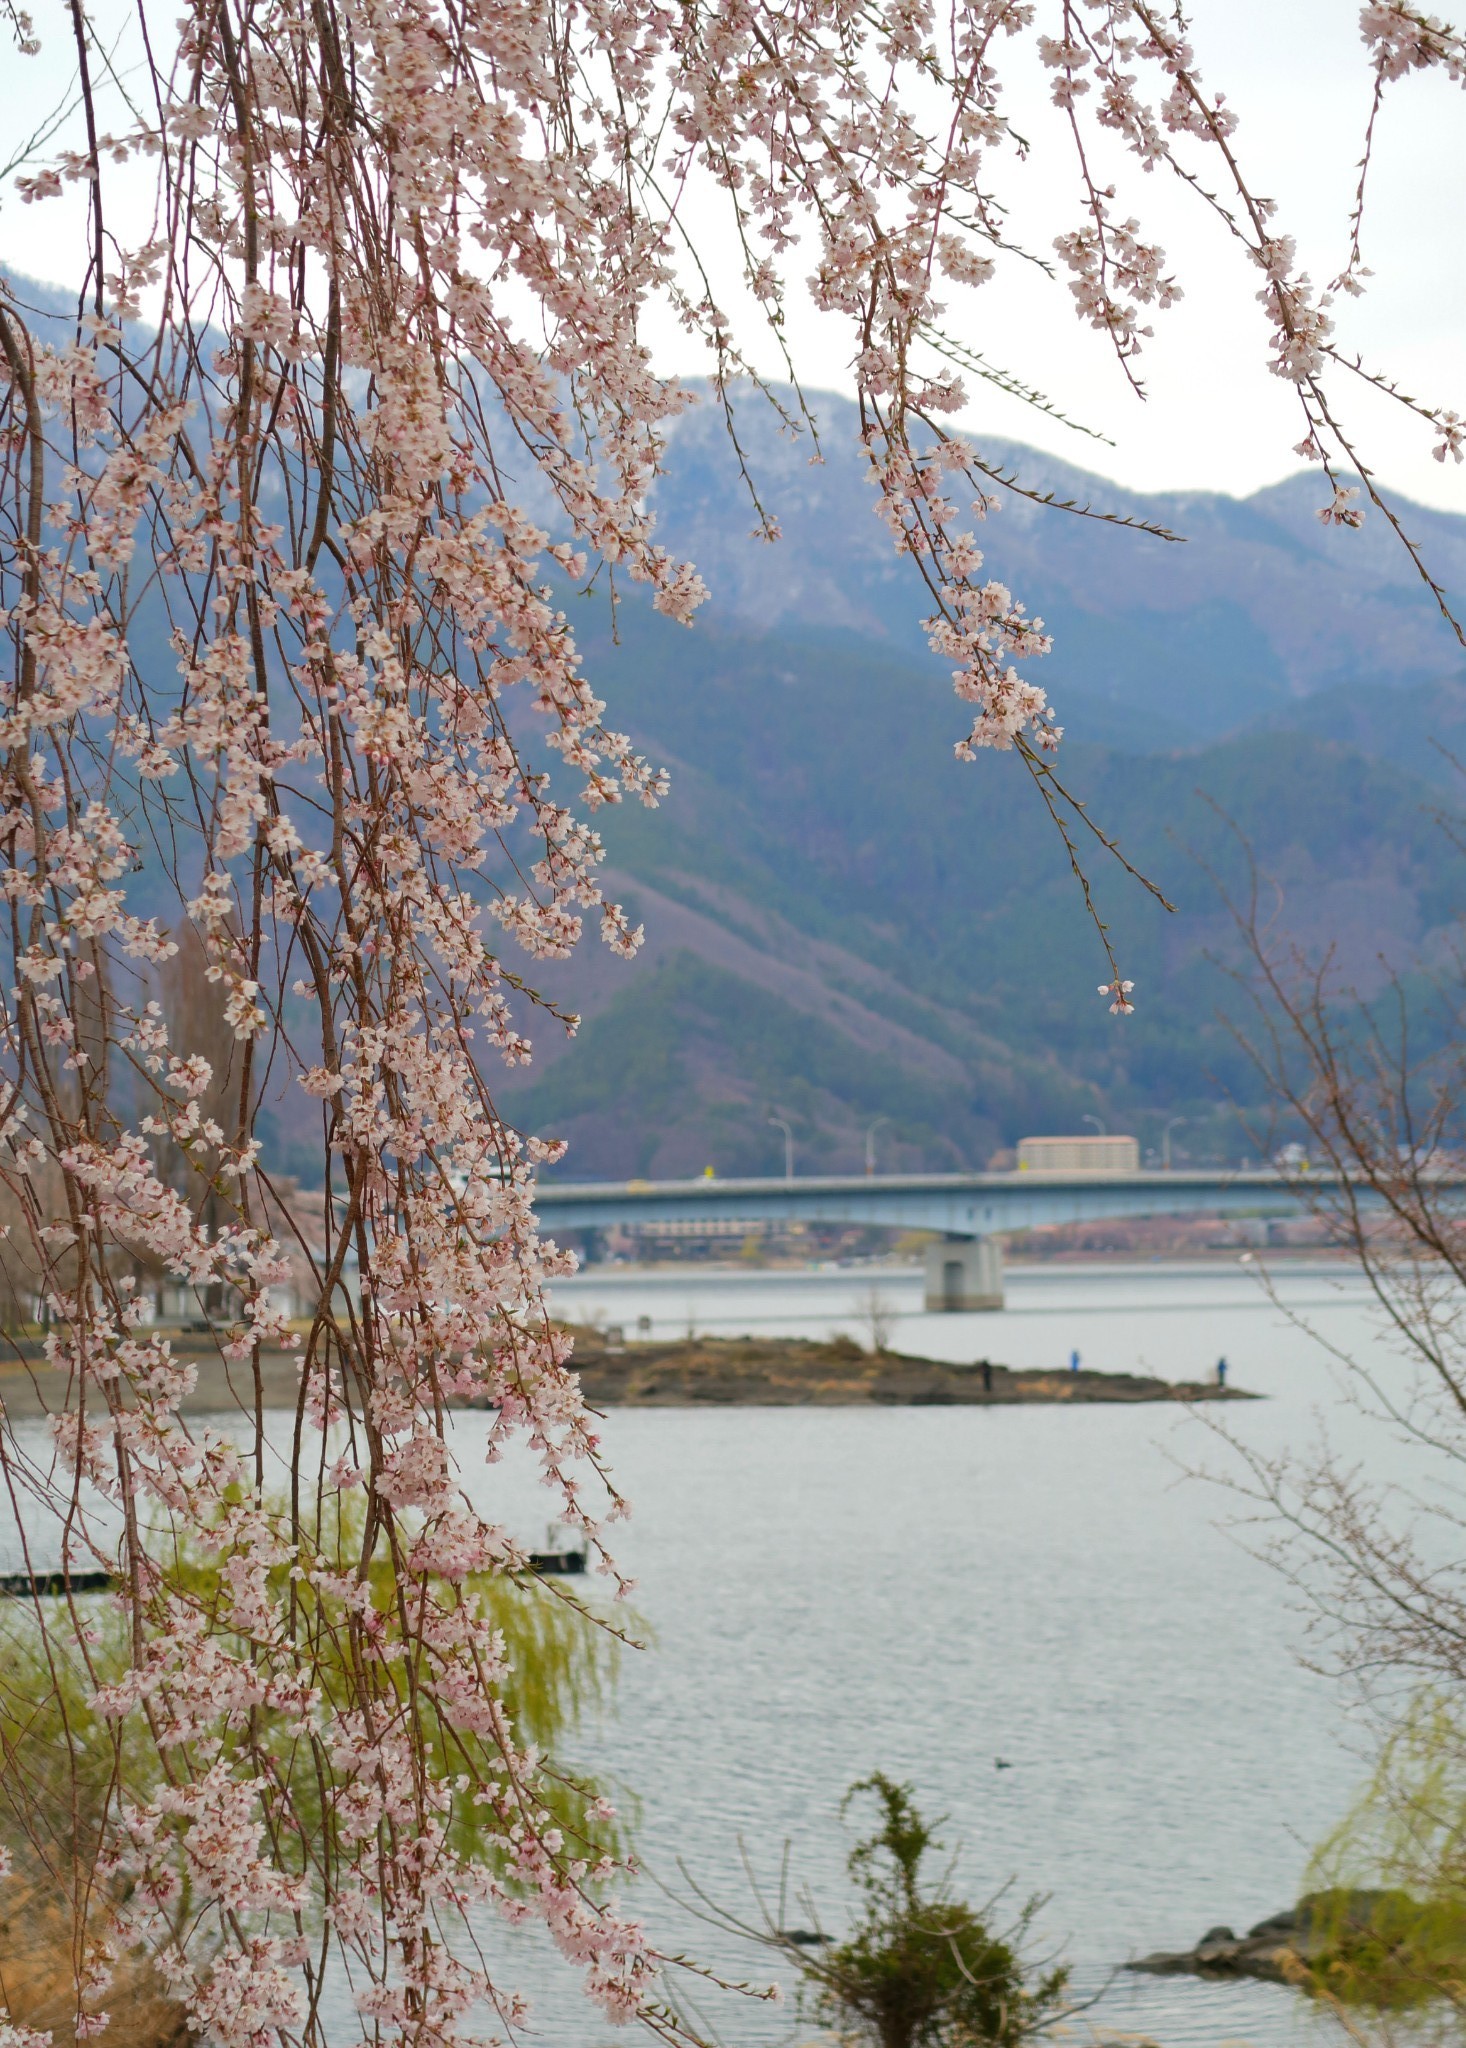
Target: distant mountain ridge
844 926
1259 605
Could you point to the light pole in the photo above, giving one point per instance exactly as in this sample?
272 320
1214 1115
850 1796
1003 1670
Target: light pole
1174 1124
1099 1127
870 1141
788 1146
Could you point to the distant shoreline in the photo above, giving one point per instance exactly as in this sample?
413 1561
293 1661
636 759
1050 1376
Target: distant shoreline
796 1372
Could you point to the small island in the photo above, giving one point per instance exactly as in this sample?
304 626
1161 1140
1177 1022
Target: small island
790 1372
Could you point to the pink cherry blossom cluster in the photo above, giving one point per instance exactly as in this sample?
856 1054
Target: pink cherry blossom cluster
292 515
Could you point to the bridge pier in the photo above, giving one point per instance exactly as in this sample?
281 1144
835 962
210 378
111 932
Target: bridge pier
964 1273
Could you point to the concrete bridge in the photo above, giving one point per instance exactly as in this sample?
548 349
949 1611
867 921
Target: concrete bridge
964 1270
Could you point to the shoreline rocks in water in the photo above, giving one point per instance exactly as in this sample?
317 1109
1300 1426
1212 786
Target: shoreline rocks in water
1280 1950
783 1372
1268 1951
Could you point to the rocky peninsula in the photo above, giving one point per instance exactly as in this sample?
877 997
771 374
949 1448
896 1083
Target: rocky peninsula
797 1372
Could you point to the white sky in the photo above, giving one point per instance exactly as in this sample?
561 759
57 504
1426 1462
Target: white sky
1215 419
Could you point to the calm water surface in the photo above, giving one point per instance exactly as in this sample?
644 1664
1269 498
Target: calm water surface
925 1590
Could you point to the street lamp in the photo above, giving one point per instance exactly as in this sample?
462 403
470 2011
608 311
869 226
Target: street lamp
1174 1124
1099 1127
788 1146
870 1141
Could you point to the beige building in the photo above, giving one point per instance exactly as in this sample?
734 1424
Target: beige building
1079 1155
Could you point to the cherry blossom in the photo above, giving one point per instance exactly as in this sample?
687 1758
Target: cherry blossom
294 509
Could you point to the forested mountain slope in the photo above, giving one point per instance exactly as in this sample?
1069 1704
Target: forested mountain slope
845 922
1258 604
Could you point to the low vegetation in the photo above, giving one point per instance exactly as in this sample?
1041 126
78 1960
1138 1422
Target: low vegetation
1387 1917
922 1968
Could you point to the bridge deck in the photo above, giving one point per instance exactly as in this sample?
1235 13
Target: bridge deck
959 1204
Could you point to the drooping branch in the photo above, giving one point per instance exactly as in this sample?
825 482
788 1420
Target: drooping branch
298 757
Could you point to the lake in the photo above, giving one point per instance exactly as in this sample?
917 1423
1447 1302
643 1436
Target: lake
923 1591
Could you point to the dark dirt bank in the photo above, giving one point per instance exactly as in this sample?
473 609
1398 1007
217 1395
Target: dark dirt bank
788 1372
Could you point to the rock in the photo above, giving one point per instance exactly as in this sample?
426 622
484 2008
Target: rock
1281 1949
1275 1950
1355 1907
1165 1963
1272 1961
1280 1925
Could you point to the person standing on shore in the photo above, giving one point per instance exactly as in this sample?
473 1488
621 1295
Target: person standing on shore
1221 1372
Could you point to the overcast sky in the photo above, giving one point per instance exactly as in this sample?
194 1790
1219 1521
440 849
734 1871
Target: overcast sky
1215 418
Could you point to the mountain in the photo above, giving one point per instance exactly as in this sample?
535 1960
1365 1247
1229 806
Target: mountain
1420 727
845 924
1258 605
